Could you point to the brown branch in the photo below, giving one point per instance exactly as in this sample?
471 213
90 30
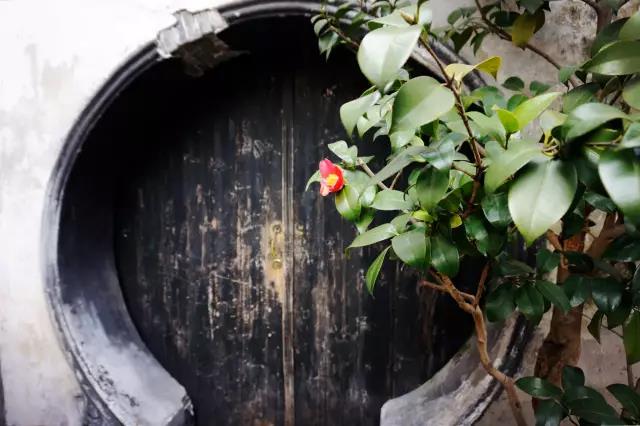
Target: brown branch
481 341
481 284
370 173
351 42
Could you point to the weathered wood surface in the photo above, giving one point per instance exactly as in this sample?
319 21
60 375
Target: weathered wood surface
211 199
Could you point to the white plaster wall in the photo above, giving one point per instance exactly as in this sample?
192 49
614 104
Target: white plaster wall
55 55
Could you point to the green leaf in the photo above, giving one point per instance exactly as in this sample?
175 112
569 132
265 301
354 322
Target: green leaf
600 202
631 137
607 35
631 28
548 413
353 110
515 100
618 58
476 231
384 51
595 325
504 163
577 289
572 377
489 125
513 268
508 120
496 209
631 93
458 71
523 29
418 102
547 261
588 117
540 196
554 294
314 178
374 270
527 111
346 153
440 154
348 204
431 187
631 337
390 199
620 175
513 83
565 73
444 256
623 249
629 398
413 248
606 293
500 303
399 162
538 88
530 302
579 95
595 411
539 388
374 235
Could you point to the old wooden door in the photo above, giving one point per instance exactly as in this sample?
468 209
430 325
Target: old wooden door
234 274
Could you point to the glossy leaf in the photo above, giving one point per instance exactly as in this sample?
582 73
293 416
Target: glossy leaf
531 108
606 293
631 137
489 125
477 232
595 411
548 413
623 249
500 303
348 204
431 187
540 196
595 325
413 248
418 102
346 153
508 120
619 58
523 29
607 35
631 93
398 163
539 388
620 175
353 110
513 83
554 294
314 178
588 117
444 256
390 199
572 377
384 51
579 96
546 261
577 289
629 398
631 337
530 302
631 28
496 209
458 71
504 163
371 276
374 235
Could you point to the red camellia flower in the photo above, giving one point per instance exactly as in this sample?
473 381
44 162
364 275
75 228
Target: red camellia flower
331 178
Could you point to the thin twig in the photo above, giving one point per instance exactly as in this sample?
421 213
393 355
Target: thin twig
395 180
368 171
506 36
351 42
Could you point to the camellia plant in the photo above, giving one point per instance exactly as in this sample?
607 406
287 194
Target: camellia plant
477 174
